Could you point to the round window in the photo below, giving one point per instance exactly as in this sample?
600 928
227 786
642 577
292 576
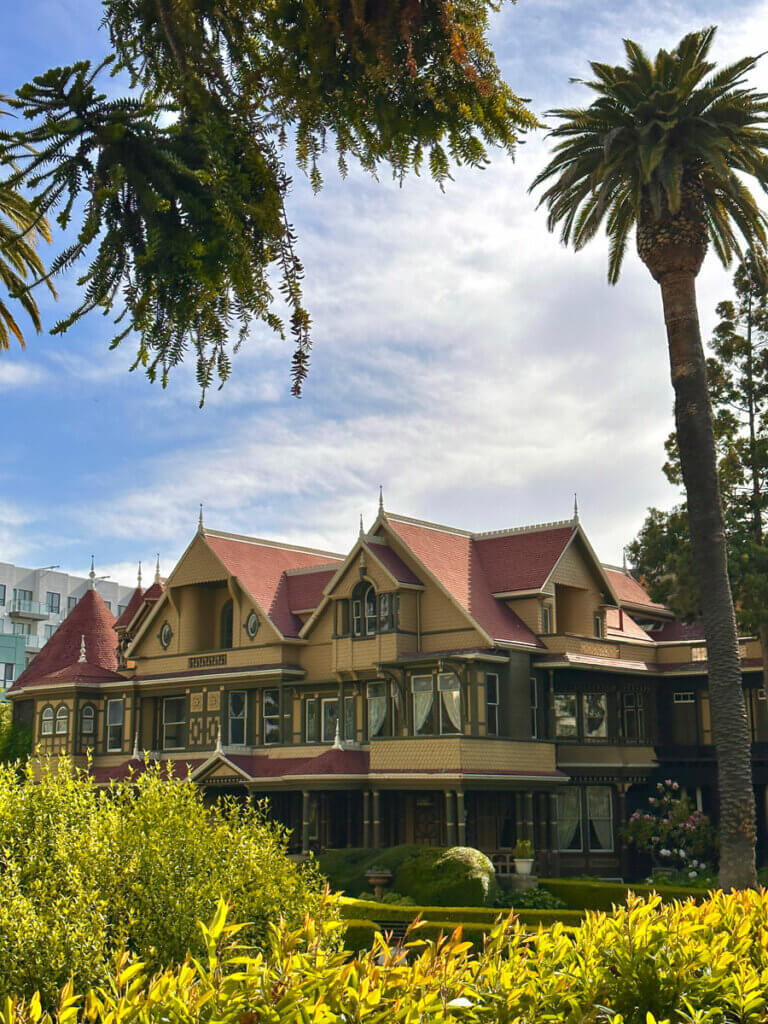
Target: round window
252 624
166 634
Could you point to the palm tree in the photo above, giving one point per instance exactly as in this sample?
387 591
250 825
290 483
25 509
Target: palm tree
665 149
20 227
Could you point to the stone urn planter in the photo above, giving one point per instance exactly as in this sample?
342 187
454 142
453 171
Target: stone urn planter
379 879
523 857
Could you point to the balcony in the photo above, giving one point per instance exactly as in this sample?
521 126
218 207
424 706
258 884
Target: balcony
21 608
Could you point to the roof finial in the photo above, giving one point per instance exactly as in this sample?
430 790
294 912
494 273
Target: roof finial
381 500
200 520
624 559
82 657
575 507
92 574
337 744
138 577
362 531
136 755
157 569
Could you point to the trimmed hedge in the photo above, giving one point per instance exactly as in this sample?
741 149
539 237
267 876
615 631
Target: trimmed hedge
580 894
445 919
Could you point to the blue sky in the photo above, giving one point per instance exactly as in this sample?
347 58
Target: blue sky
462 358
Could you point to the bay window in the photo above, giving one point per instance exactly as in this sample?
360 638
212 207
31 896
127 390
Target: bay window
595 715
449 688
566 716
633 717
422 688
271 715
312 720
383 704
492 703
329 718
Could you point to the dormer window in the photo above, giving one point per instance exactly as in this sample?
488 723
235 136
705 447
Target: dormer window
365 614
371 618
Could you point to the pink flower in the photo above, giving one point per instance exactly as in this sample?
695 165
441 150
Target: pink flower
675 786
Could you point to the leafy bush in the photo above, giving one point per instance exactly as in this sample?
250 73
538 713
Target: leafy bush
15 739
387 914
675 835
590 894
459 876
537 898
645 962
87 870
523 849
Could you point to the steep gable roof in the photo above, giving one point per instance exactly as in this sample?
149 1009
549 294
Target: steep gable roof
630 590
523 560
298 591
59 659
453 558
135 602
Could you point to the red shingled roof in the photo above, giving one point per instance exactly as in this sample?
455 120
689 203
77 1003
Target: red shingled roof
59 659
136 601
673 631
299 593
620 624
155 591
454 559
393 563
630 591
260 564
522 561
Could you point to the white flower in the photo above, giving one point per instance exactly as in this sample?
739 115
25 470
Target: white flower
665 853
692 874
682 853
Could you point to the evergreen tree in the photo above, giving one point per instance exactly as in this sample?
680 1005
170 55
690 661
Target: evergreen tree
178 190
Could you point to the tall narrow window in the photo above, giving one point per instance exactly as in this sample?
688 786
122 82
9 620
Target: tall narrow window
174 723
227 614
237 717
633 717
706 718
8 672
377 708
423 704
534 698
371 617
385 613
342 618
88 720
449 688
600 818
492 703
62 720
330 719
350 723
566 721
114 725
312 720
46 723
53 602
2 595
546 618
271 715
595 712
71 603
569 820
357 618
598 625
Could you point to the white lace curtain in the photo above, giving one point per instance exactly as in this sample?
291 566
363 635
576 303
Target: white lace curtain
423 698
569 819
377 712
450 691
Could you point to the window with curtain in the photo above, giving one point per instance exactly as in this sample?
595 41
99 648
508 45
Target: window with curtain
271 715
449 688
174 722
62 720
365 610
114 725
566 715
330 718
371 611
377 708
88 720
600 818
423 691
312 720
350 720
595 715
492 703
569 820
46 722
237 717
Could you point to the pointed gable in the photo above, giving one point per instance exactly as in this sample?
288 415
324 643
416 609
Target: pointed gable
453 558
630 590
59 660
135 602
522 559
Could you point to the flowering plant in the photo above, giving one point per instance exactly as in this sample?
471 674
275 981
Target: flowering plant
675 835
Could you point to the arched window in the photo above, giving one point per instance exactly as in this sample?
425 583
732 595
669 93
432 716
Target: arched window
364 610
62 720
226 625
87 720
46 725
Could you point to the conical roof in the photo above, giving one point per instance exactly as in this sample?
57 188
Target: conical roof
90 625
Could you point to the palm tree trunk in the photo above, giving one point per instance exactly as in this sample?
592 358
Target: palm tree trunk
693 417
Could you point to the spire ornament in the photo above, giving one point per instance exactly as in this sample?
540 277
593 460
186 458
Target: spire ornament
92 575
200 526
337 744
362 531
219 747
575 507
138 577
157 569
381 500
82 658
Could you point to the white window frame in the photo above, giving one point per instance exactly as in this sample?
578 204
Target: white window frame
684 697
311 703
182 721
112 747
547 616
566 735
603 735
271 718
453 678
357 618
323 737
533 686
62 718
371 617
238 718
350 701
8 676
46 721
699 653
492 704
88 714
414 690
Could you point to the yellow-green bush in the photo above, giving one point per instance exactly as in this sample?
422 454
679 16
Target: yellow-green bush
591 894
681 962
85 871
486 916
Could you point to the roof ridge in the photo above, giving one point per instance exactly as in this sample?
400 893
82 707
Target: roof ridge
265 542
533 528
430 526
305 569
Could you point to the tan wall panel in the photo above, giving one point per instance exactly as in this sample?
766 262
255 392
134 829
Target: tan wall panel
461 754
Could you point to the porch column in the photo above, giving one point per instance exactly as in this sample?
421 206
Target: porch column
450 818
461 818
366 818
376 818
554 842
528 816
305 821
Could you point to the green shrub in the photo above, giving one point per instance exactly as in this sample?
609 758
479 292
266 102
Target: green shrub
537 898
487 916
586 894
86 870
646 962
345 869
15 739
